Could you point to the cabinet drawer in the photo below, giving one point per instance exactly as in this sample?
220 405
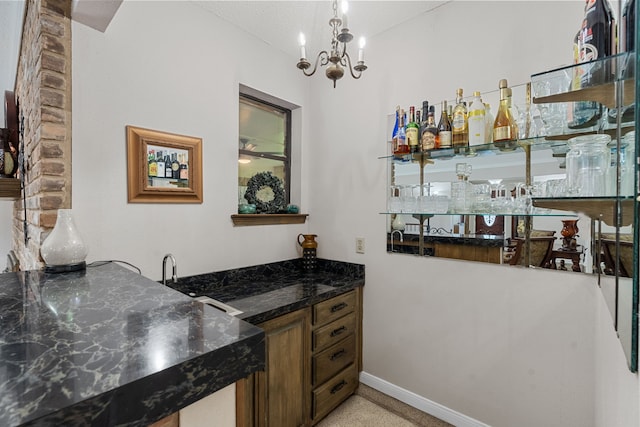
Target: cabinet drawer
334 308
330 361
326 397
334 331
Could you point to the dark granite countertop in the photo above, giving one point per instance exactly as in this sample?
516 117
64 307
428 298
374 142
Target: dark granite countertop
484 240
111 347
267 291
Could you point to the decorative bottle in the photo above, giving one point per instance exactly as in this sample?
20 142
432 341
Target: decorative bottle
412 131
488 124
400 140
160 166
596 40
430 133
443 140
476 120
153 166
502 125
459 124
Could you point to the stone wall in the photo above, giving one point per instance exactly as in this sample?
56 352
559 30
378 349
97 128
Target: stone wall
43 89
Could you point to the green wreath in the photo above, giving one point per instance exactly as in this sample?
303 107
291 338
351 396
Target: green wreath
258 192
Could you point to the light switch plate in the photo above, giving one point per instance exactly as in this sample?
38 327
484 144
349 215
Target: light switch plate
359 245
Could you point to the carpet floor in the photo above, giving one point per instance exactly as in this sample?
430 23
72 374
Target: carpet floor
359 412
371 408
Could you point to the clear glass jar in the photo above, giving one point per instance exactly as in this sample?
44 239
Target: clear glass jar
588 162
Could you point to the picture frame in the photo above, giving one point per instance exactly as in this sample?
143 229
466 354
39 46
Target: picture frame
163 167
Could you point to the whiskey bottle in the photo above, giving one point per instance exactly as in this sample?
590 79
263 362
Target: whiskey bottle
160 165
459 124
184 169
502 126
430 133
412 131
394 133
443 140
153 166
175 166
596 40
476 120
400 140
424 119
488 124
168 171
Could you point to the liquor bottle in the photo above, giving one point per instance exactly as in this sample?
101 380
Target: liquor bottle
460 124
412 131
394 132
502 125
430 134
175 166
400 140
443 140
423 122
153 166
476 120
168 171
184 169
596 40
488 124
160 164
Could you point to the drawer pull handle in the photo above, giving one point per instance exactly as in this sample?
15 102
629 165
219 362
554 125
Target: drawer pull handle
338 307
338 354
338 387
338 331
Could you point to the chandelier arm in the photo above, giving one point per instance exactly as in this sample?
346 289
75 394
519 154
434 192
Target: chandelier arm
319 60
346 55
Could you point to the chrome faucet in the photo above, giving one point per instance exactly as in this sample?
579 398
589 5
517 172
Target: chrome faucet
174 273
392 234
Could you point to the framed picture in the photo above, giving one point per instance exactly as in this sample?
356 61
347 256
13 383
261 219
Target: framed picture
163 167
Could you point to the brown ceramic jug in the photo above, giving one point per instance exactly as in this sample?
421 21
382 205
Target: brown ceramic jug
309 241
309 246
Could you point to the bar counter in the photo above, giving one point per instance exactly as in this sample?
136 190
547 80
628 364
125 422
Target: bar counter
110 347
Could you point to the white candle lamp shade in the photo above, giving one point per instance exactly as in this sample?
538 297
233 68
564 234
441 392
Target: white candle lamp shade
64 250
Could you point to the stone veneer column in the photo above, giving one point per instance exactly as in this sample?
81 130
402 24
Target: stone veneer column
43 89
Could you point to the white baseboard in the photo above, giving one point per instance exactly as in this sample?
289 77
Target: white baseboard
419 402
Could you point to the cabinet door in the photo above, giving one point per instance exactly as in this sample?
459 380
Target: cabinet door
282 391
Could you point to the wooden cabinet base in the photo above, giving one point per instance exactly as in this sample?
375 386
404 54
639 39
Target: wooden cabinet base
332 393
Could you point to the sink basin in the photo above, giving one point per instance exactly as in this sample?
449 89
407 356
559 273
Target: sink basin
231 311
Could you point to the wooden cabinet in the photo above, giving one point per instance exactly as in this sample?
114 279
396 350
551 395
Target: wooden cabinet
281 391
313 357
336 352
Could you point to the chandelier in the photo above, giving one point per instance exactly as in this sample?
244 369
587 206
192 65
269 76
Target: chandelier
338 57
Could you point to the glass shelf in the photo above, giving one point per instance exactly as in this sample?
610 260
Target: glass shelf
536 212
603 75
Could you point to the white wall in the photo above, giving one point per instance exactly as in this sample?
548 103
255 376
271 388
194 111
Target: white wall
506 346
174 67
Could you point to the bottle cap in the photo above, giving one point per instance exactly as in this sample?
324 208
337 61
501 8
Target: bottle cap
502 83
476 93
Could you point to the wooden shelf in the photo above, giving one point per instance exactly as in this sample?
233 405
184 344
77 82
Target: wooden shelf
268 219
593 207
10 188
605 94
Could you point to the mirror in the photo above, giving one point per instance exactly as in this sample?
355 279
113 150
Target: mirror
533 222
